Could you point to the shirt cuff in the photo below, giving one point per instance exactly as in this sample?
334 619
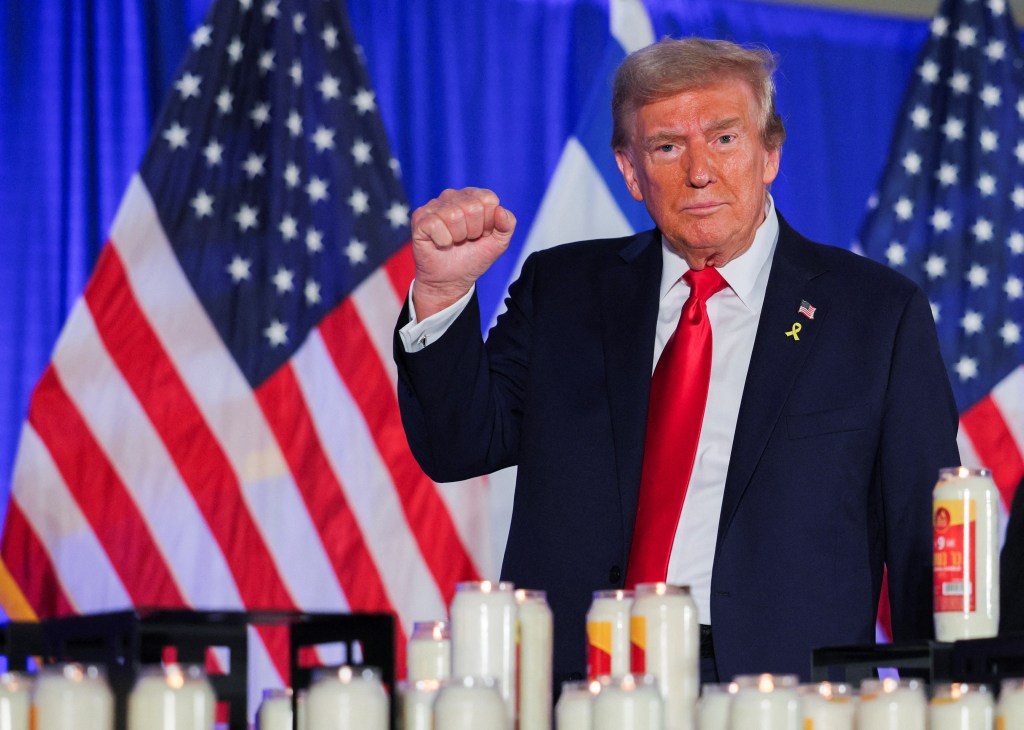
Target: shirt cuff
417 335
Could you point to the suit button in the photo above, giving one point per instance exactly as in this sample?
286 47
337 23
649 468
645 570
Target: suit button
615 574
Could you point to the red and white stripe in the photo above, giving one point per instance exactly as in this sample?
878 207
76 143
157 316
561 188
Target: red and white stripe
992 434
150 473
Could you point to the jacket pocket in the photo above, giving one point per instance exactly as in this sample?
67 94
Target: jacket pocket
835 420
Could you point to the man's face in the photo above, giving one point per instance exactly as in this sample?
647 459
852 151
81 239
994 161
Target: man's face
697 162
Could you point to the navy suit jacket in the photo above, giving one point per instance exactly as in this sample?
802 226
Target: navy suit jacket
839 439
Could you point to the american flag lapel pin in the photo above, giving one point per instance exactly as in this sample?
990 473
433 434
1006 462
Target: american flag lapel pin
806 309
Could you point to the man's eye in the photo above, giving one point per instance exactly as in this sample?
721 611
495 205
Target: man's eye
667 147
727 138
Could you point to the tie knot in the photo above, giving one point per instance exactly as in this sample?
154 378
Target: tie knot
704 283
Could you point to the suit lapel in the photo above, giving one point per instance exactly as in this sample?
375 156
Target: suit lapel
629 291
776 359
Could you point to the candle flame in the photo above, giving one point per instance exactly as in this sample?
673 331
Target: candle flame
175 677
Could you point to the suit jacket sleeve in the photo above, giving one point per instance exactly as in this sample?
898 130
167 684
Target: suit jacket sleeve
918 434
461 399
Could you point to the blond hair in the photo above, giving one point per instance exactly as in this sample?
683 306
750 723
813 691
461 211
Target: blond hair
672 66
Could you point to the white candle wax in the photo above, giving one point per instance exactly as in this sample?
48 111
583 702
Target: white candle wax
417 704
575 705
961 707
346 698
483 626
275 712
828 706
301 710
175 697
765 702
665 634
469 703
15 698
965 505
713 707
536 644
630 702
889 704
608 634
1010 711
430 651
73 697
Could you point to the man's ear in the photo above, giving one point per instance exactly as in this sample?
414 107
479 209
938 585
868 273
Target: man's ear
628 170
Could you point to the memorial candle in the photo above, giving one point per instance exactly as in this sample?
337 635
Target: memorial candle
302 710
469 703
765 702
574 709
15 698
713 706
483 626
665 638
430 651
959 706
536 644
417 703
890 704
608 633
828 706
630 702
275 712
72 697
347 698
174 697
1010 711
965 519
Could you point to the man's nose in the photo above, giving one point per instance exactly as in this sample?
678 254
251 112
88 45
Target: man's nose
698 169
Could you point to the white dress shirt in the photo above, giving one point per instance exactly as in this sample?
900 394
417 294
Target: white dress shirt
734 313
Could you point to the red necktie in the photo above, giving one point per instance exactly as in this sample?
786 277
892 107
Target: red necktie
675 412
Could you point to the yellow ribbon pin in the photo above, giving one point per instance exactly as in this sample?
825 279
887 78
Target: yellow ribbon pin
795 332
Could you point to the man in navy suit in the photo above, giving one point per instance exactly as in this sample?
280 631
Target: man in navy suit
828 410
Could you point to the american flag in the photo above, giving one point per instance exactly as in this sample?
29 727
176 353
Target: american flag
949 214
218 426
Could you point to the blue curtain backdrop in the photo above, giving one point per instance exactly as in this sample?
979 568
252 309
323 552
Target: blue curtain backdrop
477 92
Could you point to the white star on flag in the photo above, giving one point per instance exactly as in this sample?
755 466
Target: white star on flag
359 201
239 268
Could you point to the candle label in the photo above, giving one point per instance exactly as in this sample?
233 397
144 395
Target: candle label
954 537
599 649
638 644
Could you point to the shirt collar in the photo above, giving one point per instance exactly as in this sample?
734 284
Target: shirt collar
741 274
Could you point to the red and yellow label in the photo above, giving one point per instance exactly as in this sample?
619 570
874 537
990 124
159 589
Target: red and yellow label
638 644
953 537
599 649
